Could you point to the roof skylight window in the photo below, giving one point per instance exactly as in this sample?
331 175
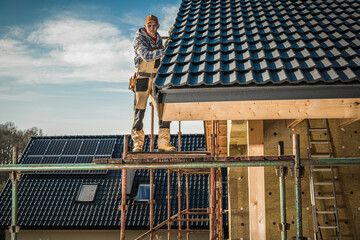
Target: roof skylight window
143 192
87 192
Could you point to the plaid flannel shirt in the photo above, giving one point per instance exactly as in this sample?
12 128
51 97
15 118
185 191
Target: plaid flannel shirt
146 49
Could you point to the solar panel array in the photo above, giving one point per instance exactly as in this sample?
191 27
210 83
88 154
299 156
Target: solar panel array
66 151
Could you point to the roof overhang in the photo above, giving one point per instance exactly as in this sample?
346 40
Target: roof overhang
265 102
256 93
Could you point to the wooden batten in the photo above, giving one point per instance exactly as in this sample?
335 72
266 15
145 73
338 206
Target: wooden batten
256 181
294 123
261 110
348 122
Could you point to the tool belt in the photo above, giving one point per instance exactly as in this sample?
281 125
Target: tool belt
145 74
132 82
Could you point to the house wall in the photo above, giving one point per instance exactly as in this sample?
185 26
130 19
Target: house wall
92 235
346 141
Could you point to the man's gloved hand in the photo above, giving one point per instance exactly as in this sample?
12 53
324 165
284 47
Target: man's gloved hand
171 30
169 40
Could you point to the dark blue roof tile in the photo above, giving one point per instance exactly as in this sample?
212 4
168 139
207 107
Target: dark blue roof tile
226 42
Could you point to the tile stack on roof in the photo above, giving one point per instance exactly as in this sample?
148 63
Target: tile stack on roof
48 200
228 42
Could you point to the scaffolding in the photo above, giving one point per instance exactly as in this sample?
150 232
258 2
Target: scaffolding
214 211
188 163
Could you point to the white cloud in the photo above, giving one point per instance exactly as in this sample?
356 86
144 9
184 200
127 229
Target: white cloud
169 13
118 90
11 46
68 50
133 19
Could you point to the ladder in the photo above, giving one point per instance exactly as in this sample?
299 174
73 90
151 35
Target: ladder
322 183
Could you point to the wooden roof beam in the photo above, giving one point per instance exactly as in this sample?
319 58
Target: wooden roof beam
261 110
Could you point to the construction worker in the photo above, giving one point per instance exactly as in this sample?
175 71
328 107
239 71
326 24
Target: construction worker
148 49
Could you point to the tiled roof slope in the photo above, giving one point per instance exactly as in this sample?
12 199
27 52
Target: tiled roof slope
49 200
262 42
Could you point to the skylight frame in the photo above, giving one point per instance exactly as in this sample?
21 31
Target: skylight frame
91 192
144 199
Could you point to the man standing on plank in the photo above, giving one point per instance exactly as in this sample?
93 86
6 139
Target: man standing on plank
148 49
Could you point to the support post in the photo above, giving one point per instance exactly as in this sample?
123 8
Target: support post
179 204
283 226
123 204
151 203
215 141
298 172
125 147
212 204
220 227
168 203
152 136
212 184
281 172
256 181
179 137
217 132
123 192
14 229
212 145
187 208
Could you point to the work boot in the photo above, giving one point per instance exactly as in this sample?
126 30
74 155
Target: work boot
138 140
164 141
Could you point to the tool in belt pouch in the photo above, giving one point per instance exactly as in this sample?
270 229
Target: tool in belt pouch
132 82
146 69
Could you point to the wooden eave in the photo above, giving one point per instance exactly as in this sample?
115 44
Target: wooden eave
260 102
263 109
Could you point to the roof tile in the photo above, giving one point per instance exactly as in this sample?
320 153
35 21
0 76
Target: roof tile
246 42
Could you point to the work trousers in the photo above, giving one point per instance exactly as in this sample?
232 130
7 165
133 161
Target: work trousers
144 90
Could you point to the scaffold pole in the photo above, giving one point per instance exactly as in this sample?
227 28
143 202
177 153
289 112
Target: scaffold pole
297 173
151 202
168 203
14 229
219 162
123 192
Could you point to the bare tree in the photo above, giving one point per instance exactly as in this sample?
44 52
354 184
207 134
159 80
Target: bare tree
11 136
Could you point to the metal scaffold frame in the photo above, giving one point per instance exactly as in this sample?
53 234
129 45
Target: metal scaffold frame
191 164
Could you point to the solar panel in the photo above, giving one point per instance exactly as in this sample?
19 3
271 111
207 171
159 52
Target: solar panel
105 146
67 159
88 147
38 147
49 160
56 146
72 147
66 151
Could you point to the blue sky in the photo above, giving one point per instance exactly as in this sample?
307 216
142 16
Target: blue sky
65 65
